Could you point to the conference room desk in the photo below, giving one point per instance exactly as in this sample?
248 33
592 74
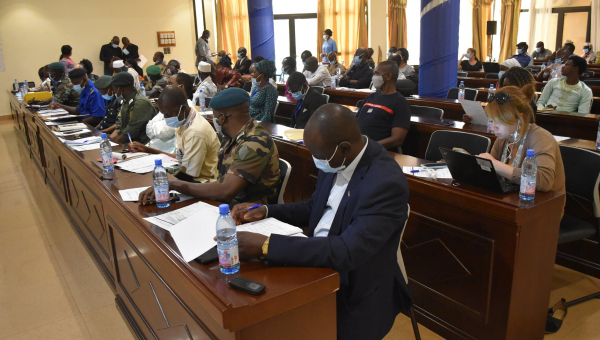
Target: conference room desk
475 74
477 83
159 295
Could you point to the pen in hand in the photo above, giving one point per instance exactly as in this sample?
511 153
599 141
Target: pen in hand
251 208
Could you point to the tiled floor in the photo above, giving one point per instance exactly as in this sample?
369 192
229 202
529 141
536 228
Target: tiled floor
53 290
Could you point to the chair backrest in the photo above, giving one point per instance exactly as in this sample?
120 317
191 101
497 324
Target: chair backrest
592 82
492 76
276 107
248 86
426 111
582 174
399 253
319 88
462 74
326 96
360 103
207 101
472 143
588 74
470 94
284 173
406 87
491 67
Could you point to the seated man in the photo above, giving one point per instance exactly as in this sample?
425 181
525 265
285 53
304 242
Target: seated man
248 158
63 92
90 100
305 55
223 60
385 115
397 58
568 93
370 55
334 66
391 51
119 66
556 62
354 222
112 104
157 81
135 113
288 66
242 65
522 56
308 100
225 77
541 53
360 74
185 82
173 67
316 75
197 143
159 60
208 87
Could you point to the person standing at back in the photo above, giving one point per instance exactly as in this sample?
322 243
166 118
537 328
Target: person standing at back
130 50
385 115
316 75
328 46
202 48
109 53
65 57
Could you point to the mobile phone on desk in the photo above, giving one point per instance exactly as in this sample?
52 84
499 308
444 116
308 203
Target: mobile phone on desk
434 165
446 122
248 286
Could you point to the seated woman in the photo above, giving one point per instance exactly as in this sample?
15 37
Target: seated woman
472 63
263 98
513 124
568 93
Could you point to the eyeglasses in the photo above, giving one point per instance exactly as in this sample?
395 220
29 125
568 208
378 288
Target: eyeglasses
500 98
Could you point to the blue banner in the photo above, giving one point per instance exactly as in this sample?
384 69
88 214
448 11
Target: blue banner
439 47
262 33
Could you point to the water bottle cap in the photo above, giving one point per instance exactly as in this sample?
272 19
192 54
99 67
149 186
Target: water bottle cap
224 209
158 161
491 86
462 82
530 152
200 91
103 135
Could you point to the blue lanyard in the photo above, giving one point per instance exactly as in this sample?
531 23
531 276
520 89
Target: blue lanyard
257 89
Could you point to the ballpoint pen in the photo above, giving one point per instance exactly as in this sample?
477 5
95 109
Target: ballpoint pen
128 135
251 208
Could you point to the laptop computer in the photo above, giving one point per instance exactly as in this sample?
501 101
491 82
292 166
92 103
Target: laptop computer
476 171
491 67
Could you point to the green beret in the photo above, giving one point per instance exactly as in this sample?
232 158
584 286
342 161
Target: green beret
153 70
103 82
122 79
57 66
232 96
77 73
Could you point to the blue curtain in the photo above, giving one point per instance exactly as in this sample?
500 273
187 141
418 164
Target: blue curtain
262 34
439 47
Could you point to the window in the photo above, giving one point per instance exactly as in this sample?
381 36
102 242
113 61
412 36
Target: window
295 29
413 31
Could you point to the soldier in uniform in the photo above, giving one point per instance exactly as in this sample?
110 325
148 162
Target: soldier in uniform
248 161
135 113
157 82
112 105
91 103
63 92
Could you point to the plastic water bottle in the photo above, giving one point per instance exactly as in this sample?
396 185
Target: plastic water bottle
338 71
19 94
528 176
333 81
227 243
25 88
202 101
142 90
543 66
161 185
22 91
343 63
553 75
461 91
16 85
108 169
491 93
598 138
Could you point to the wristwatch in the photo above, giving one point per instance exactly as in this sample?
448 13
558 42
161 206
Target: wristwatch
226 86
265 246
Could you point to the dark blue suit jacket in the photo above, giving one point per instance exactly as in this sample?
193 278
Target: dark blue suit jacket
361 245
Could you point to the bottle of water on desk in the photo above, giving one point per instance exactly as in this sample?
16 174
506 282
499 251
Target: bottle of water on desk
142 90
461 91
108 169
553 75
16 86
227 243
25 88
333 81
528 176
161 185
202 101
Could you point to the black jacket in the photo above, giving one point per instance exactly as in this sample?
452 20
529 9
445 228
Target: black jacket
133 52
362 73
107 52
306 107
243 65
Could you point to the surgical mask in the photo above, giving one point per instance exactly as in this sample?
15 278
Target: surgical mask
357 59
324 166
558 60
107 97
539 50
254 82
174 122
332 62
217 126
169 72
586 50
388 55
208 39
468 56
304 63
377 81
240 56
156 62
299 95
500 74
125 51
78 87
325 36
115 46
519 51
119 97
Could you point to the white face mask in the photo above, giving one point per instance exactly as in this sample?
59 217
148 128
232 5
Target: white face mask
115 45
323 164
539 50
325 36
217 126
377 81
519 51
586 50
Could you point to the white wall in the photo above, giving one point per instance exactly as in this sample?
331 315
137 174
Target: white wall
33 32
378 38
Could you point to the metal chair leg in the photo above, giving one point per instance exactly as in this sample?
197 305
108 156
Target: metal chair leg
583 299
413 319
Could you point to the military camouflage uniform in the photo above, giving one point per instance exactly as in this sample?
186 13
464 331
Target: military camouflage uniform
135 114
158 85
253 156
64 93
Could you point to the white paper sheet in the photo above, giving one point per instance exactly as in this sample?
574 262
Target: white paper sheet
145 164
62 134
561 138
119 155
89 147
475 110
426 173
142 61
52 111
132 195
168 220
270 226
194 235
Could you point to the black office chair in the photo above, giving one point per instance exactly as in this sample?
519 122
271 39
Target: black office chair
284 173
207 102
406 87
492 76
463 74
426 112
248 86
470 142
326 96
588 74
320 89
360 103
411 312
582 176
470 94
592 82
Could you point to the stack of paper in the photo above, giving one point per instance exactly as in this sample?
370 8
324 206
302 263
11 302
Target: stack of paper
52 119
77 132
143 165
56 112
419 171
132 195
70 127
168 220
83 141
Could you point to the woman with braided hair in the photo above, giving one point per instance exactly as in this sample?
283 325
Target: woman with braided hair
263 96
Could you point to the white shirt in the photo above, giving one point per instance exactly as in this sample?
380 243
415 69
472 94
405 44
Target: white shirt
320 77
336 194
162 136
569 98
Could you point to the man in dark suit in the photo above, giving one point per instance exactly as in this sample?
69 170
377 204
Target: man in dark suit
354 221
242 65
109 53
307 100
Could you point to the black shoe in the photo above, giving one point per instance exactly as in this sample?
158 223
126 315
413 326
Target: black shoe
556 314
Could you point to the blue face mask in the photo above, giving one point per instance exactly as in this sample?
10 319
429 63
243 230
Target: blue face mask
468 55
357 59
174 122
107 97
254 82
78 87
240 56
119 97
323 164
500 74
519 51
